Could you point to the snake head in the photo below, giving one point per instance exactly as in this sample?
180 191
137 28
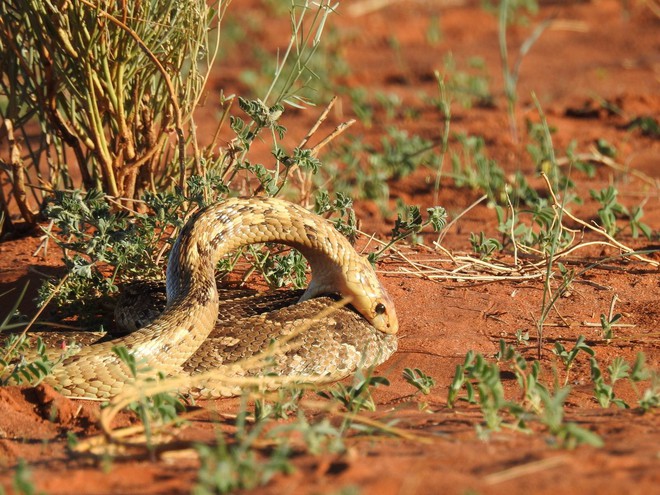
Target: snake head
361 286
371 300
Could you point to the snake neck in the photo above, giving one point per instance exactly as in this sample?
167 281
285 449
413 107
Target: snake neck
222 228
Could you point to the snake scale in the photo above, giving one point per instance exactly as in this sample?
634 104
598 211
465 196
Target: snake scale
201 328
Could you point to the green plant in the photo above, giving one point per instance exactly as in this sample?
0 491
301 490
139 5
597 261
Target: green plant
567 357
565 434
481 380
390 102
16 368
293 74
484 246
555 233
586 167
469 87
604 391
618 370
636 225
21 359
434 33
610 209
342 207
409 223
444 106
509 11
521 336
541 404
257 452
92 236
362 107
647 125
225 468
525 219
318 437
286 403
262 447
650 398
346 171
22 480
472 168
356 396
399 155
418 379
605 148
313 59
488 387
459 381
96 238
607 325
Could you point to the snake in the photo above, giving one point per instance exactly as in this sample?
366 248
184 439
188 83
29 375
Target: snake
202 328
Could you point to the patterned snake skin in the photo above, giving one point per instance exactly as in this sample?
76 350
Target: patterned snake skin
200 329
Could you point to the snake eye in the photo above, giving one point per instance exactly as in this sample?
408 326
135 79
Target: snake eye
380 308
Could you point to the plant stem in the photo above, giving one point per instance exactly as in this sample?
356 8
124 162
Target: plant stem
445 103
510 79
548 300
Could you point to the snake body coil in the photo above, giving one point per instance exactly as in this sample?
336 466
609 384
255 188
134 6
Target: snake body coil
177 341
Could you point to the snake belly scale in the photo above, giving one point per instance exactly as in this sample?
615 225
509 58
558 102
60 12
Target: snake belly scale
188 336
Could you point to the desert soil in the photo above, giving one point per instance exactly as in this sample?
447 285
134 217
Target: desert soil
595 52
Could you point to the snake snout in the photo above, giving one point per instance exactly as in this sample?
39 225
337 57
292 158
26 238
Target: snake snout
384 317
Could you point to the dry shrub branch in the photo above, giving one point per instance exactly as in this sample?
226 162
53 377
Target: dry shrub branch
100 94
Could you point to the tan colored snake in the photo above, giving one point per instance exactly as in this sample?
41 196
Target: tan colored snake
177 341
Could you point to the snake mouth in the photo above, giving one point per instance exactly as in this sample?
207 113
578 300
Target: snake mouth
384 317
385 324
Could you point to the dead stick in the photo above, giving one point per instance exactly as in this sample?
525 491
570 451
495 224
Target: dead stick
596 229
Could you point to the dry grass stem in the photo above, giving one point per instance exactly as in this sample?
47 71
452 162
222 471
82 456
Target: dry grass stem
444 231
627 250
595 156
524 470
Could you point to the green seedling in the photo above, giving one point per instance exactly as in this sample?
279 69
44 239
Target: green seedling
568 356
607 325
604 391
409 223
484 246
418 379
522 336
356 396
